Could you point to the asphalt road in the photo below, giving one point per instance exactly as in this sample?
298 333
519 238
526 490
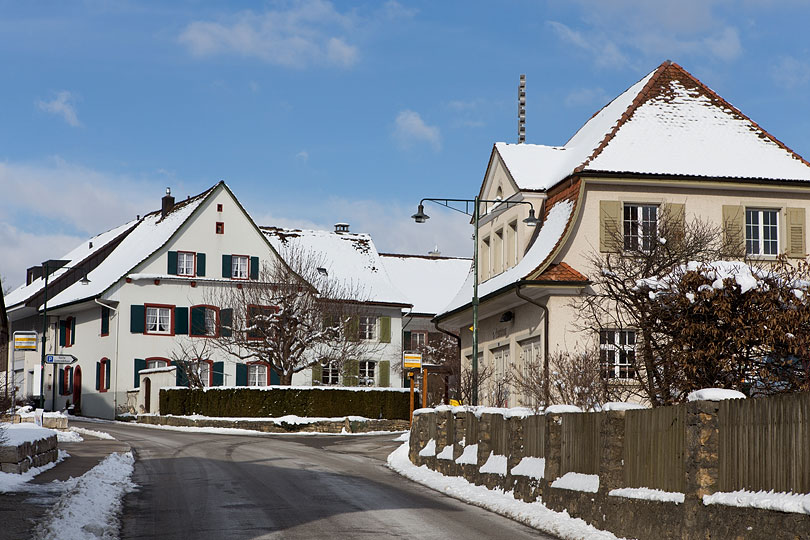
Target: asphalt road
202 486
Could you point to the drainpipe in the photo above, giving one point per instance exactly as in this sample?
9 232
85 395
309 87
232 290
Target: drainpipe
545 342
117 365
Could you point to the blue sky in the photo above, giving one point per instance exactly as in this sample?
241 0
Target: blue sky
317 112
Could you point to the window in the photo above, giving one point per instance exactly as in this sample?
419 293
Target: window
368 328
105 321
640 227
239 266
257 374
497 252
219 207
220 227
366 373
511 245
204 321
617 353
67 330
330 374
185 263
204 369
103 375
531 359
66 381
761 232
152 363
418 339
484 262
158 320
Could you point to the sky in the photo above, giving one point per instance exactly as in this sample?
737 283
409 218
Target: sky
318 112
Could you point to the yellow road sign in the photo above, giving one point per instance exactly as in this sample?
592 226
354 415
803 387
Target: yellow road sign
25 341
412 360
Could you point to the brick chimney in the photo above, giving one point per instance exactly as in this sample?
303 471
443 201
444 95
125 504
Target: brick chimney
341 227
167 203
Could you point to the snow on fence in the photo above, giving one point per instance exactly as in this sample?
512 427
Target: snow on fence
763 444
655 448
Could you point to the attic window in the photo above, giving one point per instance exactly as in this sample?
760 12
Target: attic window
322 271
219 207
499 194
220 227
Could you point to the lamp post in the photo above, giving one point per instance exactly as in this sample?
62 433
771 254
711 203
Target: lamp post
421 217
45 271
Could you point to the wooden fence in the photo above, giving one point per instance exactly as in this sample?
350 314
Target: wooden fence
580 442
499 436
764 444
655 448
534 436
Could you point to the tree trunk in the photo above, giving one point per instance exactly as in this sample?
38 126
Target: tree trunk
286 378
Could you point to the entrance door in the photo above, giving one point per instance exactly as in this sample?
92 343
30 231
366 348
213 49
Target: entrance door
147 394
77 390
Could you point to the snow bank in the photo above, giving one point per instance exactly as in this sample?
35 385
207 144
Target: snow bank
90 506
767 500
714 394
648 494
557 409
621 406
495 464
13 482
469 456
17 434
68 437
429 450
496 500
93 433
577 482
533 467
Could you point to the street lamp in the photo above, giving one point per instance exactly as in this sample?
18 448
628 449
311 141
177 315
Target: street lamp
421 217
84 281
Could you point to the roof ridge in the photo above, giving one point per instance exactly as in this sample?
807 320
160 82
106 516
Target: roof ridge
416 256
628 112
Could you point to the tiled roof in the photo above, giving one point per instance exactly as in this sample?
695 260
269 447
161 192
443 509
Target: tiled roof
561 272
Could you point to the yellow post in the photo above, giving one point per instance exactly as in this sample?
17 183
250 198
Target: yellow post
424 388
410 376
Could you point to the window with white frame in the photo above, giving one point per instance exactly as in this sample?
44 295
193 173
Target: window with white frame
257 375
366 373
640 226
204 369
617 353
152 363
185 263
158 320
210 322
761 232
239 266
418 340
531 359
368 328
330 374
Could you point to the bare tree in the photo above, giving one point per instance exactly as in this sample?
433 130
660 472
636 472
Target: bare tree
465 386
615 300
293 317
191 356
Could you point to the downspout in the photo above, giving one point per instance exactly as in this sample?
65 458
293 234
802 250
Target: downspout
117 364
545 343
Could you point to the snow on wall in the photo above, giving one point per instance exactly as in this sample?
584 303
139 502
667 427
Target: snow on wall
768 500
648 494
577 482
533 467
495 464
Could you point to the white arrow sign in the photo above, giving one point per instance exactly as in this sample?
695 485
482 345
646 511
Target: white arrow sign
59 359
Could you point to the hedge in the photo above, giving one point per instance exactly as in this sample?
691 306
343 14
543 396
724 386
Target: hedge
275 402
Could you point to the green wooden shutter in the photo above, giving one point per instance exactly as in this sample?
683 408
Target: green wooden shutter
218 375
61 382
107 371
254 268
675 215
137 319
72 330
197 321
226 266
225 322
317 374
406 340
105 321
181 379
140 364
98 375
385 329
241 375
610 213
795 233
181 320
201 264
384 367
734 230
69 379
353 329
351 372
275 379
172 267
62 333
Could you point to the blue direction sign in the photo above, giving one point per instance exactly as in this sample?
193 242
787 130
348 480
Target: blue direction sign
59 359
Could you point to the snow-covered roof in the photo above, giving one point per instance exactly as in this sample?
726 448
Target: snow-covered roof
668 123
428 282
552 230
351 259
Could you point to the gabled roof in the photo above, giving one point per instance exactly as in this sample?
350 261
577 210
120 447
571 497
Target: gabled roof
140 240
668 123
428 282
351 259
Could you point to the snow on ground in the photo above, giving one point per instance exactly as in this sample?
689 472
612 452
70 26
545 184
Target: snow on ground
577 482
405 437
92 433
533 467
495 464
648 494
90 505
496 500
714 394
16 434
13 482
68 436
429 450
252 432
469 456
768 500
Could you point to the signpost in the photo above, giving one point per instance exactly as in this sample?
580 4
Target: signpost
412 360
59 359
25 341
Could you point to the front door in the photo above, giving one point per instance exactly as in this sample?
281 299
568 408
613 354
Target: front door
147 394
77 390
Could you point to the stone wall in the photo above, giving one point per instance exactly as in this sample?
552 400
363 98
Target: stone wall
269 426
630 517
18 459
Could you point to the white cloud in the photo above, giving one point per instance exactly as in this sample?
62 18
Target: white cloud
22 249
791 72
62 105
409 129
303 155
309 32
605 52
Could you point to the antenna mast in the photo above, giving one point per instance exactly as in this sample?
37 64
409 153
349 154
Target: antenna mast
522 110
